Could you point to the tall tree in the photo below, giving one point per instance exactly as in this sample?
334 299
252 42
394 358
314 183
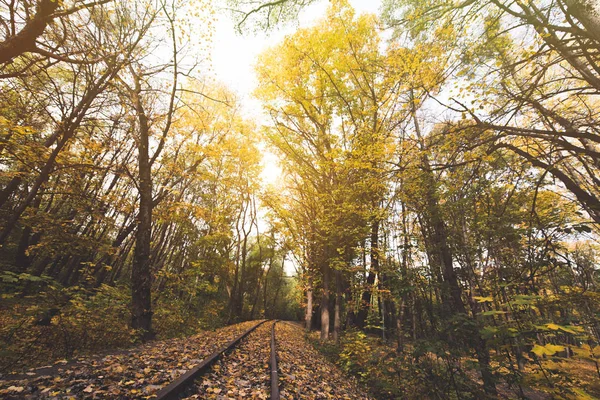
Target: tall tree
334 129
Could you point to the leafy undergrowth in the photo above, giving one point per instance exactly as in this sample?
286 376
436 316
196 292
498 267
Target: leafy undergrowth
42 322
577 377
306 374
243 373
387 374
423 371
58 323
138 373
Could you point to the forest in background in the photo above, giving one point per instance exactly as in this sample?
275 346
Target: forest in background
439 198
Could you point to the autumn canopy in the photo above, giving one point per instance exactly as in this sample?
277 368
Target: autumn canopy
431 217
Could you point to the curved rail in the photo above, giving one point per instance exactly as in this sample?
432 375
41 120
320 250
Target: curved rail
274 377
172 390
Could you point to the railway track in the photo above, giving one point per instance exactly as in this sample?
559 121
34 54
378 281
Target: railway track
185 385
259 360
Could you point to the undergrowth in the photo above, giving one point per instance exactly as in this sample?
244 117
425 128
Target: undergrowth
430 370
396 375
42 322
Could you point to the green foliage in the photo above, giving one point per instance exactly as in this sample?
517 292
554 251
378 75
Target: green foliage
58 322
356 353
11 282
421 372
41 321
175 318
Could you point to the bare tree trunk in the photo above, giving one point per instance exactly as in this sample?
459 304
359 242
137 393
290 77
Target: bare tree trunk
365 301
265 287
309 306
399 316
338 306
262 272
241 218
325 303
141 304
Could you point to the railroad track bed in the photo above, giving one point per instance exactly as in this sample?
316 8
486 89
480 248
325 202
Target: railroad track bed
242 373
253 360
138 373
305 373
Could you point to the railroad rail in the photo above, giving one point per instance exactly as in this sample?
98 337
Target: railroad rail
273 364
180 385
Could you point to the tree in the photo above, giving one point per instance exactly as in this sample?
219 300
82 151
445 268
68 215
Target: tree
515 79
265 14
333 107
74 107
24 29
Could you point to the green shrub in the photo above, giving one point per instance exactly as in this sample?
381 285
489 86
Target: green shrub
52 322
174 317
420 372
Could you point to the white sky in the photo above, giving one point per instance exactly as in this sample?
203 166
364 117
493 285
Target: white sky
234 56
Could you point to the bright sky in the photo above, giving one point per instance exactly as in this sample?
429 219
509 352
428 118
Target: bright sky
234 55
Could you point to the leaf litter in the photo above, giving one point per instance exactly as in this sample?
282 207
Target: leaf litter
138 373
304 373
242 373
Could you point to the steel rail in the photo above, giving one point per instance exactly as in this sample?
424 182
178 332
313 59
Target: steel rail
179 385
273 364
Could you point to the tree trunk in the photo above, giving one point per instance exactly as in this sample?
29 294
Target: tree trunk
483 357
325 303
399 333
588 13
265 287
338 306
440 253
309 307
141 279
22 259
239 303
365 301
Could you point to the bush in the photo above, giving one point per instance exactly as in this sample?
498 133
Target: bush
41 321
55 322
174 317
416 373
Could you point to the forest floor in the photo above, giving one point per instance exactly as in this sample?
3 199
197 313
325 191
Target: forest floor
305 373
137 373
242 373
